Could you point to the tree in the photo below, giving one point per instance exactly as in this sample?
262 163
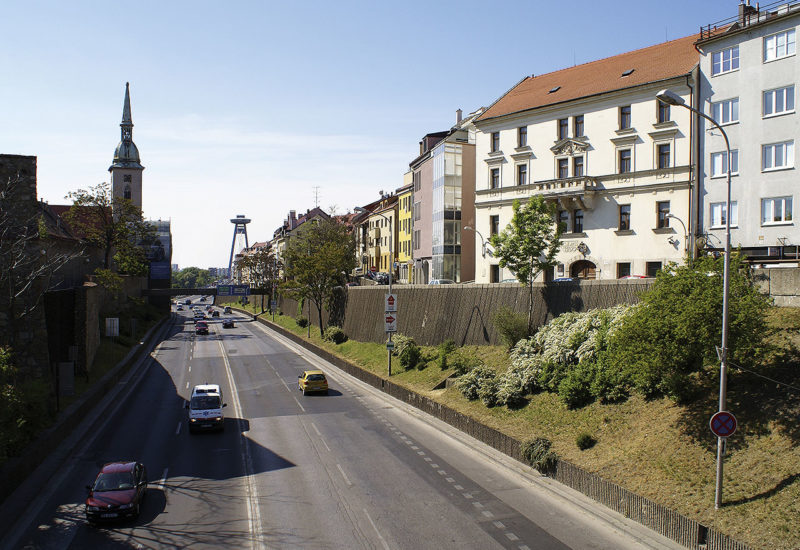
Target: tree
29 256
675 329
261 268
317 260
529 244
192 277
112 224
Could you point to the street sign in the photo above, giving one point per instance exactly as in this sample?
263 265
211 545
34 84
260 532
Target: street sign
273 304
390 345
723 424
390 322
390 303
233 290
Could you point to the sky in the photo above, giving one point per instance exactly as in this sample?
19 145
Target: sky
262 107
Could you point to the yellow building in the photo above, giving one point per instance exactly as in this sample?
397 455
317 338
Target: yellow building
404 228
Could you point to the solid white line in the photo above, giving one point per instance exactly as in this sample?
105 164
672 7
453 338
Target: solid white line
286 385
190 368
383 542
316 429
187 385
163 481
344 475
178 429
299 405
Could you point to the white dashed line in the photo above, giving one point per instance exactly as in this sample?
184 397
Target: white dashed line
299 405
467 495
178 429
524 547
449 479
421 453
414 447
458 487
428 459
190 368
187 385
477 505
511 536
442 472
383 542
434 465
499 524
487 514
344 475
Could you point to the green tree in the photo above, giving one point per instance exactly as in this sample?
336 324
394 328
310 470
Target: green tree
677 326
112 224
192 277
261 269
529 244
316 262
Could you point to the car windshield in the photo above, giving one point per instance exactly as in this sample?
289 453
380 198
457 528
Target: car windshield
316 377
117 481
204 402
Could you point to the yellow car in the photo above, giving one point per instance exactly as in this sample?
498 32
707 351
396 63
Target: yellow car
312 380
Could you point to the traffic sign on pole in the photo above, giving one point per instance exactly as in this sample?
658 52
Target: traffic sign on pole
390 322
390 303
723 424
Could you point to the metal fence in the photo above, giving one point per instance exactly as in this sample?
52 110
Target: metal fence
661 519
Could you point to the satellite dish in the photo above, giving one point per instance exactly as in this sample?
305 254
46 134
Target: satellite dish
701 242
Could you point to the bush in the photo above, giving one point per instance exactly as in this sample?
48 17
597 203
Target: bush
511 326
445 348
411 355
574 388
334 334
487 391
462 362
301 321
511 389
585 441
470 383
400 342
538 454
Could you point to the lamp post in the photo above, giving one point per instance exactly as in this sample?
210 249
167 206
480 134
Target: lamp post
391 265
484 248
685 232
671 98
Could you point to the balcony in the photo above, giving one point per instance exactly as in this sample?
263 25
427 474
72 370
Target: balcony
374 233
581 190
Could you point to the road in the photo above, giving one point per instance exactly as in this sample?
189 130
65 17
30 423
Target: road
353 469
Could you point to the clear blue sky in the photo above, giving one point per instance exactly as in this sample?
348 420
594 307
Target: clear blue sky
243 107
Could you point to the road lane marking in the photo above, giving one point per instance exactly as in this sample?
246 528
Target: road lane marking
499 524
449 480
299 405
285 384
187 385
458 487
178 429
320 436
487 514
477 505
383 542
344 475
512 536
467 495
190 368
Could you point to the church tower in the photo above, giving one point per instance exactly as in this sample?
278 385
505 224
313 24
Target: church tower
126 170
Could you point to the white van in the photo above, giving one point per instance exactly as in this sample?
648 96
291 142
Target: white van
205 408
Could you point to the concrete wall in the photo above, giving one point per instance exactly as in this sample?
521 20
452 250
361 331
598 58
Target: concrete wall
781 283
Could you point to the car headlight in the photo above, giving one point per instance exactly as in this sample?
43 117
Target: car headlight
192 420
93 508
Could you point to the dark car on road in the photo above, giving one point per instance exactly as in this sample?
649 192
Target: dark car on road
227 323
201 327
117 492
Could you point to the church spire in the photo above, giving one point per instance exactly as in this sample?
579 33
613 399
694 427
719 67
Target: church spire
127 122
126 154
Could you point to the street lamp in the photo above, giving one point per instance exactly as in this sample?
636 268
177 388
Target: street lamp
671 98
391 265
484 247
685 233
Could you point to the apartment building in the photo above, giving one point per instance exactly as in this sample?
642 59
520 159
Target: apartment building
405 216
749 72
594 140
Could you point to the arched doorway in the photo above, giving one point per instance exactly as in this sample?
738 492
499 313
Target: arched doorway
583 269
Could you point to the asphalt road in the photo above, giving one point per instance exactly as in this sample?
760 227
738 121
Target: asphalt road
353 469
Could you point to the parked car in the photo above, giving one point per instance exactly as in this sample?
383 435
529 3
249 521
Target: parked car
117 491
564 280
228 323
441 282
201 327
312 381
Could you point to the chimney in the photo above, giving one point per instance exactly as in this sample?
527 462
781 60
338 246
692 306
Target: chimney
458 116
292 219
745 11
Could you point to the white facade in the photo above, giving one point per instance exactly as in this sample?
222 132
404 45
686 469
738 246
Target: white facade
599 241
749 86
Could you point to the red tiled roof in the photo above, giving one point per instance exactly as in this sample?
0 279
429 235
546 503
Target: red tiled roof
652 64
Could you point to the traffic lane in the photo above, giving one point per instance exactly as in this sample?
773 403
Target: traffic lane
348 472
501 489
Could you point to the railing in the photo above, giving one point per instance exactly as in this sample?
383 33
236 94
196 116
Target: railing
750 15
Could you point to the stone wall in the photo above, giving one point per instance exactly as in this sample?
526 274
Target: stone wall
781 283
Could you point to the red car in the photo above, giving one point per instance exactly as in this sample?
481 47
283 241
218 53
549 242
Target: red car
117 492
201 327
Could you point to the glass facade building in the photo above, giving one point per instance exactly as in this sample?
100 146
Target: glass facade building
446 230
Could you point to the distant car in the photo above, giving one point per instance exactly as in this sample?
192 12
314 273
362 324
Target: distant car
199 316
203 298
228 323
312 381
179 308
564 280
187 301
201 327
215 313
227 309
441 282
117 491
635 277
509 281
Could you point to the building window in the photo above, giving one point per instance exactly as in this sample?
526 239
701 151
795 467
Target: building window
624 217
779 45
719 163
653 268
624 161
522 136
563 128
577 167
126 193
778 102
623 269
563 168
624 117
126 178
495 142
725 112
663 111
776 210
563 220
494 178
577 221
417 211
719 214
494 225
662 209
577 126
725 61
522 174
494 273
776 156
663 155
